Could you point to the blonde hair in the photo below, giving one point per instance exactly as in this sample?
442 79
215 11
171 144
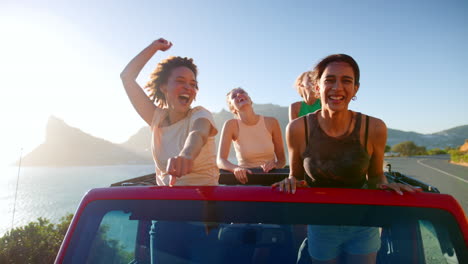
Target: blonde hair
228 100
305 76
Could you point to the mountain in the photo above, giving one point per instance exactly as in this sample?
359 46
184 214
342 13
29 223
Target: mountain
68 146
140 143
453 137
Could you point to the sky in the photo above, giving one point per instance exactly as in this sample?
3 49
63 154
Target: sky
63 58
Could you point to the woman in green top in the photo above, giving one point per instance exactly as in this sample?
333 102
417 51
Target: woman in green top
310 103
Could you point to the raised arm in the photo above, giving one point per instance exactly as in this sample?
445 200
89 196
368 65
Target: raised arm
140 101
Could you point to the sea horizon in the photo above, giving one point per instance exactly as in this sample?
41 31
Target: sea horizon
53 192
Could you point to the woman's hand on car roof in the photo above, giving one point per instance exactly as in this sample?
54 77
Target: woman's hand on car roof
289 185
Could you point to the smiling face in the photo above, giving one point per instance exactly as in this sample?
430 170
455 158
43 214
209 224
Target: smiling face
337 86
237 99
181 89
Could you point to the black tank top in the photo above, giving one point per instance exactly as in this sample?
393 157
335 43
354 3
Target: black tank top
335 162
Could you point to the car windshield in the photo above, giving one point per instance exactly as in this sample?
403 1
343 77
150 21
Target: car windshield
130 231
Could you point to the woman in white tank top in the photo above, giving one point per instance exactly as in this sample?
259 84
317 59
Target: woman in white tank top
183 145
257 139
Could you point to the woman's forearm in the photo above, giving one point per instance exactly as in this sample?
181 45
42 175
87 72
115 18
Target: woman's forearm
225 164
134 67
140 101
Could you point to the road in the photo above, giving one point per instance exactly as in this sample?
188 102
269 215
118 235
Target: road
437 171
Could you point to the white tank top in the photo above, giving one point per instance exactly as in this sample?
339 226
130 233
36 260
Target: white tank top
168 141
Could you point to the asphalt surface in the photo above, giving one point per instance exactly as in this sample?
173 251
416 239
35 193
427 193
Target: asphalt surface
437 171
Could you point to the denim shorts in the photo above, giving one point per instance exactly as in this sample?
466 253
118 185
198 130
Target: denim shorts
328 242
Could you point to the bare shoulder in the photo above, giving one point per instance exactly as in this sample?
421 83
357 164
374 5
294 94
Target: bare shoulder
296 137
377 131
270 121
296 126
271 124
295 105
377 126
230 124
294 109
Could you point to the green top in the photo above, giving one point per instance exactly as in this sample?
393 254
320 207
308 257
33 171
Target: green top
305 108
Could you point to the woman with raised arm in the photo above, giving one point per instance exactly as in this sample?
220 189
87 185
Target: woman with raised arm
340 148
257 139
310 104
183 145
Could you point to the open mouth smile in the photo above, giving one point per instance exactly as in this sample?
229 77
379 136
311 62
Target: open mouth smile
184 99
336 98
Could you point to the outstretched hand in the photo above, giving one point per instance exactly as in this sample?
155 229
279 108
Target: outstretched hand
162 44
399 187
178 166
289 185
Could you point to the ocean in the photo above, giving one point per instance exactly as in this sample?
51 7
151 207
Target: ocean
51 192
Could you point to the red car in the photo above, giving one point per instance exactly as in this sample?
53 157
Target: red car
256 224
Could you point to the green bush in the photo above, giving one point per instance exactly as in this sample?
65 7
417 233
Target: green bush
36 242
408 148
458 156
436 151
39 242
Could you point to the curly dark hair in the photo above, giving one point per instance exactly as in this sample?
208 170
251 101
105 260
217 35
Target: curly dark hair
161 74
318 70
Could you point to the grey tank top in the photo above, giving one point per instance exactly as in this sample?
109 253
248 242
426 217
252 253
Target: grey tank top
339 162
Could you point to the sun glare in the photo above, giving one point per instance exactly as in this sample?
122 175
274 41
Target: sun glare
50 68
33 74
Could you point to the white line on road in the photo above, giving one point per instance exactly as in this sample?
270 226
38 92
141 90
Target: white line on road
441 171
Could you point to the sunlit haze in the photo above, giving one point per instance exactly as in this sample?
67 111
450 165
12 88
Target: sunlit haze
63 58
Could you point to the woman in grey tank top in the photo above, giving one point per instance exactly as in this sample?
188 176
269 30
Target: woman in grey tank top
337 147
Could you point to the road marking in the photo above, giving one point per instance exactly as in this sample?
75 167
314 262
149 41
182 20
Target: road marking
441 171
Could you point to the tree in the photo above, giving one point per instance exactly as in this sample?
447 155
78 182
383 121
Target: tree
106 250
37 242
387 148
408 148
